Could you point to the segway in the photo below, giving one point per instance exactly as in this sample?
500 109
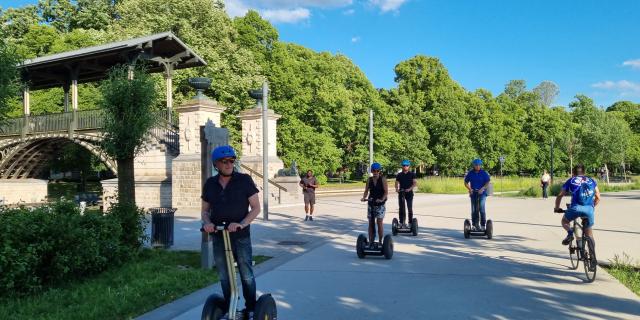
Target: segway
396 227
215 307
469 231
364 248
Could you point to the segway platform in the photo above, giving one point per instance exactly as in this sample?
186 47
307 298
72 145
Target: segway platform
412 228
364 248
469 232
215 307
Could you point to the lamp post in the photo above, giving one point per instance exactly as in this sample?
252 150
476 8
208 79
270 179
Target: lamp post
261 98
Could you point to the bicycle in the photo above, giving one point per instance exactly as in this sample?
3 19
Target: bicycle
582 248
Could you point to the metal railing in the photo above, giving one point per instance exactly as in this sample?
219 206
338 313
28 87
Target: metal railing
166 132
255 173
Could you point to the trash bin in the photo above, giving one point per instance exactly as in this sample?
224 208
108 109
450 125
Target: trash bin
162 226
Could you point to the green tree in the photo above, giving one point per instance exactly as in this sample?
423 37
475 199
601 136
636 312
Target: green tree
128 105
9 81
257 35
15 22
514 88
206 28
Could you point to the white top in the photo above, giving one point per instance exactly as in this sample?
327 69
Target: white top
546 177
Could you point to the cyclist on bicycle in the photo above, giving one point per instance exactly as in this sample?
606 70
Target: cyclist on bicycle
585 195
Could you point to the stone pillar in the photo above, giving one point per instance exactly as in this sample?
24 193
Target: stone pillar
252 141
187 167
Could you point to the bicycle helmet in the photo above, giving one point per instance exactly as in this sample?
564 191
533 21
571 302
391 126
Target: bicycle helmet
406 163
376 166
476 162
222 152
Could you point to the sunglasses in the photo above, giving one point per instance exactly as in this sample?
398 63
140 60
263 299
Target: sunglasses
375 170
228 161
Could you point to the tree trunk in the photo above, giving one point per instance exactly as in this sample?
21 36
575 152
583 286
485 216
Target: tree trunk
126 182
606 173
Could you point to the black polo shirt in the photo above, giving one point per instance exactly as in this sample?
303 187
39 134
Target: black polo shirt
230 204
406 179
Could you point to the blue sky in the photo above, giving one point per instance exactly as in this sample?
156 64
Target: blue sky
590 47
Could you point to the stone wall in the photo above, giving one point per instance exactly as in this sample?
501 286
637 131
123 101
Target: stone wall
22 190
187 182
149 192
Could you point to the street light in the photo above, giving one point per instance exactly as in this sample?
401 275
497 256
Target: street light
261 96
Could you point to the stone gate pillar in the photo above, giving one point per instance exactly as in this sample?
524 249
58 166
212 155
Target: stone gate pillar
252 141
187 167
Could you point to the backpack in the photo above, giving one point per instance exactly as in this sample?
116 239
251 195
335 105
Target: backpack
585 193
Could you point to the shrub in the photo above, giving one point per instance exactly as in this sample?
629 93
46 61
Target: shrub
132 220
52 244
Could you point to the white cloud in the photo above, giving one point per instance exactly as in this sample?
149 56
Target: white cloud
282 11
287 15
624 87
634 64
355 39
388 5
349 12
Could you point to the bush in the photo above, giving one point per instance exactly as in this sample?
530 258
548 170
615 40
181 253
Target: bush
50 245
534 192
132 220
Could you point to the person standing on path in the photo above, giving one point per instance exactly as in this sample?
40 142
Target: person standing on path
544 183
477 181
309 185
405 183
226 199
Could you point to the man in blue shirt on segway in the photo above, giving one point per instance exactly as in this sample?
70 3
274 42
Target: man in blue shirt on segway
477 181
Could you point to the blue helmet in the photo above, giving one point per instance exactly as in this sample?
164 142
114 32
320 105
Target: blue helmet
406 163
376 166
476 162
222 152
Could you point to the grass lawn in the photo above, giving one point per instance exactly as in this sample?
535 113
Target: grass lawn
623 269
345 185
523 186
155 278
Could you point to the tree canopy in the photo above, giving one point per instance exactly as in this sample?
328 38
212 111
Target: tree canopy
324 98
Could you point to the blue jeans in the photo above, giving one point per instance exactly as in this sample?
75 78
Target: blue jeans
483 214
241 247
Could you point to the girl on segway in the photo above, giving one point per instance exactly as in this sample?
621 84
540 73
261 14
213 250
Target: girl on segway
376 190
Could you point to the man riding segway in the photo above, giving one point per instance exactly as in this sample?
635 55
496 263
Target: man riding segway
226 199
476 181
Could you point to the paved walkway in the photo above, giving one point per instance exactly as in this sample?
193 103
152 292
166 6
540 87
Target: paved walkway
522 273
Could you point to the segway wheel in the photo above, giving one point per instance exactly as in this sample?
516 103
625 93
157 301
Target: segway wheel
489 229
387 247
414 226
394 227
467 229
265 308
214 307
360 244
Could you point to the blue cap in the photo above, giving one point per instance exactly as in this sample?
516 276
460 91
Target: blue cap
376 166
406 163
476 162
222 152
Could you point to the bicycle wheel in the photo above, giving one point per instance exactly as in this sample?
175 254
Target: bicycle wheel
574 255
589 261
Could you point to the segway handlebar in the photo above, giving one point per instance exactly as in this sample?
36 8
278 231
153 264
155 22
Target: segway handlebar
218 228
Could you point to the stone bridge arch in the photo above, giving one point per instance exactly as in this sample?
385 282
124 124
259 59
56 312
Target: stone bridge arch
25 158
